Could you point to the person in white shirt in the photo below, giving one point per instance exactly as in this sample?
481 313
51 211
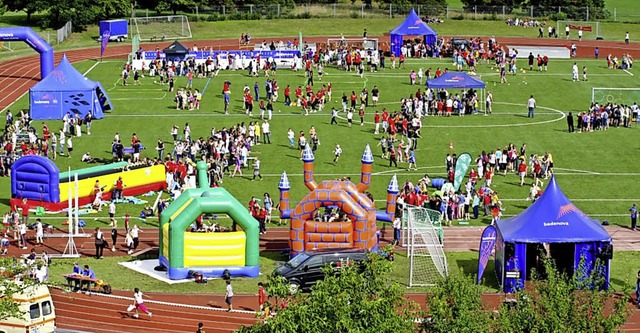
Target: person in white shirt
138 303
266 131
337 152
531 104
291 136
39 232
574 72
228 295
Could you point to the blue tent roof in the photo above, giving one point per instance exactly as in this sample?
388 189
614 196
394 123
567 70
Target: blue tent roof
552 219
455 80
413 26
64 77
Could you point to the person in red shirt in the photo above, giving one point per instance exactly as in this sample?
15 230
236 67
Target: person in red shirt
248 103
287 95
376 120
522 171
25 211
353 98
298 95
473 176
401 59
488 176
438 72
361 114
118 188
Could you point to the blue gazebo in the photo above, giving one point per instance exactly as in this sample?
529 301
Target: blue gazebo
554 225
411 26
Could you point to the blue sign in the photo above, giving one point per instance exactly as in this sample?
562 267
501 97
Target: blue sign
487 243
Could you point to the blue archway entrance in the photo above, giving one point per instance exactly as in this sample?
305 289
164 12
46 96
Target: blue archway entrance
35 42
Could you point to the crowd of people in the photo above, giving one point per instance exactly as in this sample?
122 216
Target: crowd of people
601 117
476 196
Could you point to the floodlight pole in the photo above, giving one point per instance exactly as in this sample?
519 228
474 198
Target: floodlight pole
76 212
70 249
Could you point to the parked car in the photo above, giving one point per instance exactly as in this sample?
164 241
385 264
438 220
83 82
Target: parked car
305 269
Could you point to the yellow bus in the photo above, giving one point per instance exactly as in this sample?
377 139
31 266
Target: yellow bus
39 315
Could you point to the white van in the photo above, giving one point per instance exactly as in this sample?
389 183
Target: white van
39 313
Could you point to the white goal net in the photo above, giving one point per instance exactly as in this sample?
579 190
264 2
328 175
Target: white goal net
160 28
425 246
590 29
626 96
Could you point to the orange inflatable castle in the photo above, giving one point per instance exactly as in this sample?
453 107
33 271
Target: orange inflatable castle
358 230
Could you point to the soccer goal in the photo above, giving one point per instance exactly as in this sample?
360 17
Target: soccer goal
160 28
425 246
590 29
626 96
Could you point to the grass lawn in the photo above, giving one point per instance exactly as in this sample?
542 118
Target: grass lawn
623 270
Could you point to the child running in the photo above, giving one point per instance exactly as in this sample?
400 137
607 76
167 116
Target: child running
337 152
138 302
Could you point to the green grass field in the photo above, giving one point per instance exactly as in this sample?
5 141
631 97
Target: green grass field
595 170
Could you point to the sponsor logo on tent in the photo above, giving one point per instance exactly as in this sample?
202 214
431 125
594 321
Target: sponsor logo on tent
555 224
568 208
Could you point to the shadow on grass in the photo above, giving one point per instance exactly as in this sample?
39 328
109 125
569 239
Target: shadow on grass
470 268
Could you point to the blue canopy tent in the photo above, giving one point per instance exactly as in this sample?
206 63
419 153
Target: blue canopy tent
65 90
411 26
553 225
459 80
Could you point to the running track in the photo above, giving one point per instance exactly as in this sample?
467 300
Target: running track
100 314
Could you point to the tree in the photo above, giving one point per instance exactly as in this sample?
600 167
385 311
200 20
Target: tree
558 303
358 299
456 302
552 302
28 6
10 269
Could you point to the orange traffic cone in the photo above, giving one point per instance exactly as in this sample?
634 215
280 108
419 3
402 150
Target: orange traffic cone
451 145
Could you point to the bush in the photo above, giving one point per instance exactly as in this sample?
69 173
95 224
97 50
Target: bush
305 15
216 17
458 17
558 17
354 15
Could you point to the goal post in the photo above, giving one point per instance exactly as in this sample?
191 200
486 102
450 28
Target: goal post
425 246
590 29
626 96
160 28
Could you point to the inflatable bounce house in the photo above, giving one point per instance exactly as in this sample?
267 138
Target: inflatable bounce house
39 180
184 253
307 234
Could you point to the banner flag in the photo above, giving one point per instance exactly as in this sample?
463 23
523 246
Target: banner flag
462 165
487 243
104 41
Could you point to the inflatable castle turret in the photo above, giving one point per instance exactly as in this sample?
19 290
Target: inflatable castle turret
357 230
284 187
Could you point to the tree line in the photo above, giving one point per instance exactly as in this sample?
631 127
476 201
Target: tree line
54 14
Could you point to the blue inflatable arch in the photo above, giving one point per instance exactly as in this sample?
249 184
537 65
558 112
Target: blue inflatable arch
35 178
35 41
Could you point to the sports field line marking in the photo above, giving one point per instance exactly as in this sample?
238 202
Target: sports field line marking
626 71
133 98
115 84
206 85
562 116
91 68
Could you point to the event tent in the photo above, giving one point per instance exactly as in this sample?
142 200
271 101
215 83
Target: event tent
459 80
65 90
411 26
176 51
555 225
